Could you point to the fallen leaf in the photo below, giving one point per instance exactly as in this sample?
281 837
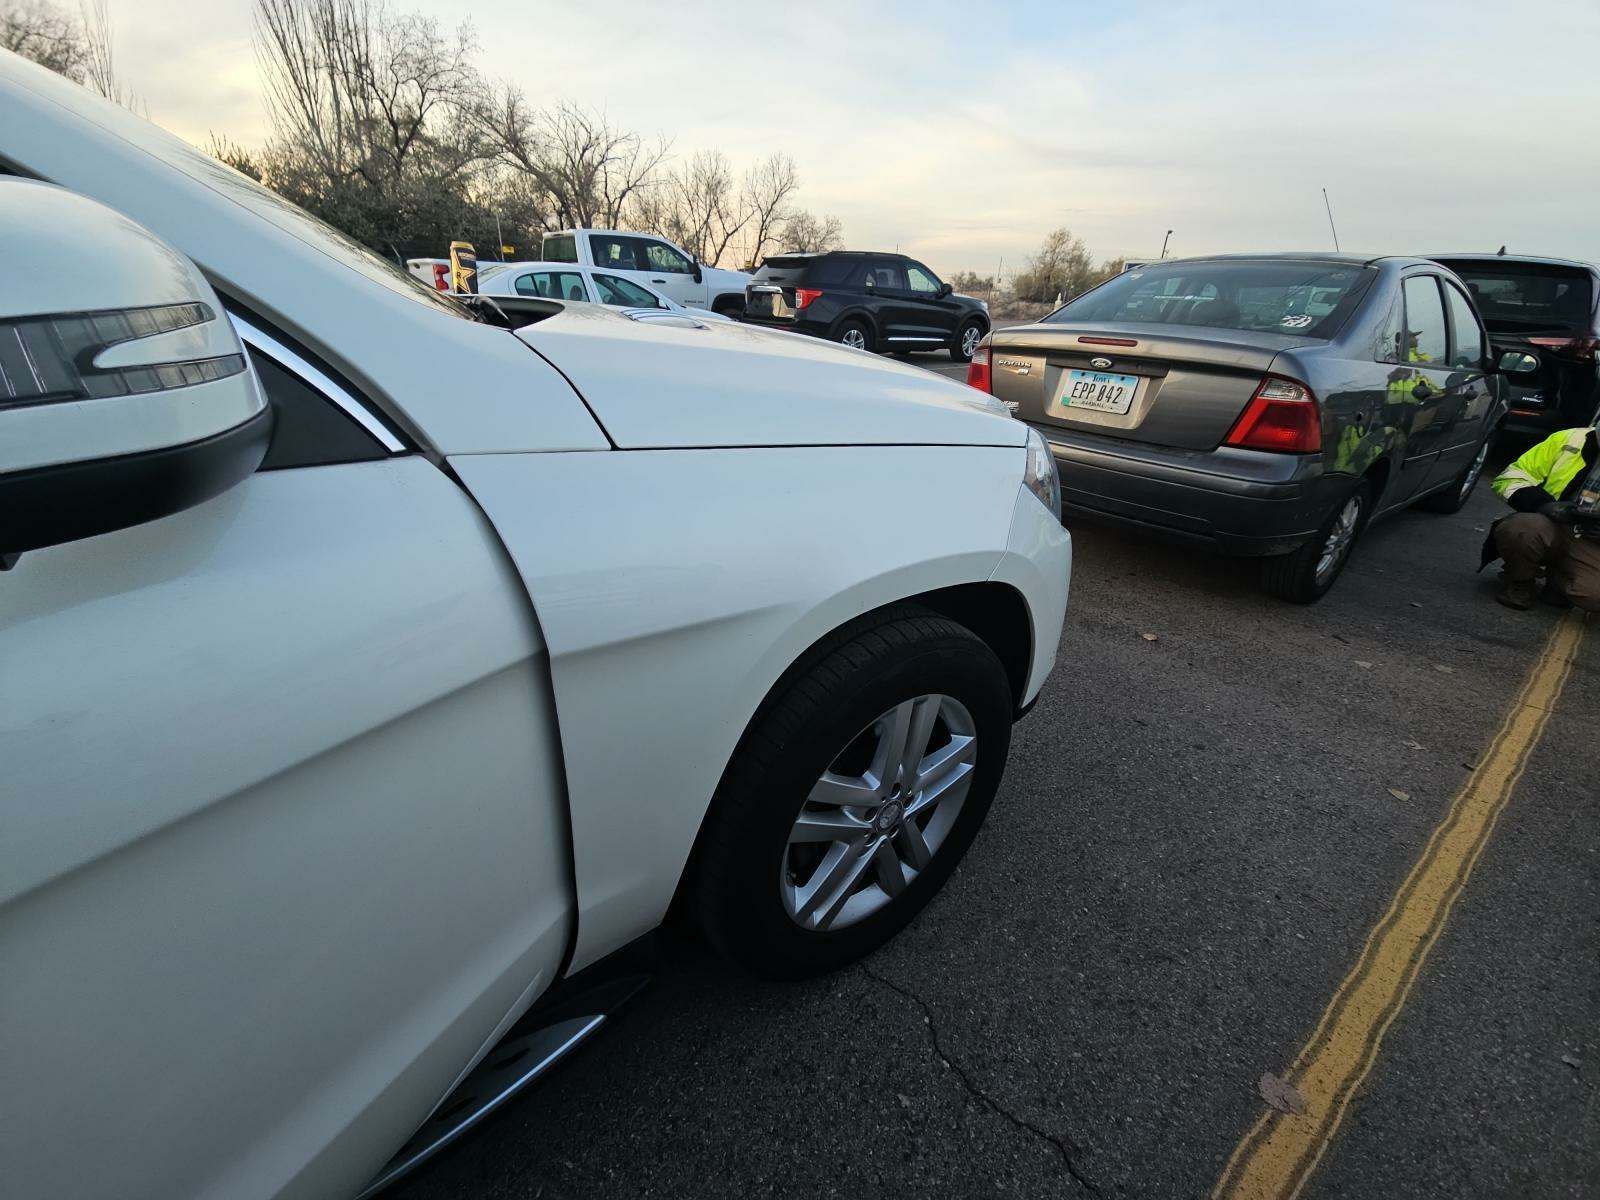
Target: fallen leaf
1399 795
1572 1061
1415 745
1149 637
1414 604
1365 666
1445 669
1281 1094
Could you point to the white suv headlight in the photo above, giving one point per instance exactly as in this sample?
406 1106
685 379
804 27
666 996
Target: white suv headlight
1042 478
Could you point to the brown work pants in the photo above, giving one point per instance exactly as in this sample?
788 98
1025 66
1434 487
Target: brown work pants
1530 542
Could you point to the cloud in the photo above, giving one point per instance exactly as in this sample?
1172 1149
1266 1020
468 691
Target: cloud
963 133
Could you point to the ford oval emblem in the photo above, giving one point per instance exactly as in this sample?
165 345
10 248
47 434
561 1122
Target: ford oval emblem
1100 364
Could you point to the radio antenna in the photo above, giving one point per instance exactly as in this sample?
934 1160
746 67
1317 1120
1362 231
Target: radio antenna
1331 226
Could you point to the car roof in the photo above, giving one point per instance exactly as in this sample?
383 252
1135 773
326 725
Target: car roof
538 265
836 254
1513 258
1349 260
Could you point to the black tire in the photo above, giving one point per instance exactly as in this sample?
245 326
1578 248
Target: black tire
1454 498
729 306
1294 576
958 352
841 334
742 854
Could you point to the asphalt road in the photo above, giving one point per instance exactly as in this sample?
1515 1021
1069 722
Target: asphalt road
1194 837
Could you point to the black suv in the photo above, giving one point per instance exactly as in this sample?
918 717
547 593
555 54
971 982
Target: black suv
1549 308
869 301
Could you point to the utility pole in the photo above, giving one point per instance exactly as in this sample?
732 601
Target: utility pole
1164 243
1335 231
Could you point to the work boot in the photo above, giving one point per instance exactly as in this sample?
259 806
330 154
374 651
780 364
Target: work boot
1552 595
1517 593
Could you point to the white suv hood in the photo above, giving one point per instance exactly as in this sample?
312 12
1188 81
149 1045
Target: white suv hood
682 383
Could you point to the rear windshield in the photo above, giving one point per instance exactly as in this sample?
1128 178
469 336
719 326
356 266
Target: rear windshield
778 269
560 247
1515 295
1306 299
810 269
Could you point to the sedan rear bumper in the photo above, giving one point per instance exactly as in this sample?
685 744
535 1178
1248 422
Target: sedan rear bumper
1240 502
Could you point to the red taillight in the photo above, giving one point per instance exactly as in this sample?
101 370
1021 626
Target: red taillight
1281 416
1107 341
804 296
1583 349
978 371
441 276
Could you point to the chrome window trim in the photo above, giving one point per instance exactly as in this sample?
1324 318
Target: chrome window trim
317 380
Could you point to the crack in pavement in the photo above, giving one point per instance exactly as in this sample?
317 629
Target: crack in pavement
1062 1147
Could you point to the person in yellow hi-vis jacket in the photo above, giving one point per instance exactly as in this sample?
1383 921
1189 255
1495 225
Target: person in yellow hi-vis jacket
1555 488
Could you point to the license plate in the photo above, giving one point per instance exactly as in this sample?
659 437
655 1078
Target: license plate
1099 391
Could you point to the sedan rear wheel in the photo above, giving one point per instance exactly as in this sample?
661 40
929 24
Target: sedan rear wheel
854 795
1306 575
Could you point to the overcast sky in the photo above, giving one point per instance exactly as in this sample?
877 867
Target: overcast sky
964 132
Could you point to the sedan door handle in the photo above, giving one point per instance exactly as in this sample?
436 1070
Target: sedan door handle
658 281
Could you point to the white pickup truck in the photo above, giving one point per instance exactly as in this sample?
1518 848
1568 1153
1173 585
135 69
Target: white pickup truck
651 260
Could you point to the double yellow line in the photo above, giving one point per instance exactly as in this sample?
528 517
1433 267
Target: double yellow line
1282 1150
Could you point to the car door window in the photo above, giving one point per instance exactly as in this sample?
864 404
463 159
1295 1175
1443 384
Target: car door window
1466 335
1391 334
921 280
618 253
886 276
554 285
1425 341
624 293
661 257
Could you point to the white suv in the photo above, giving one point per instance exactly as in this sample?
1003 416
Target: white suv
369 669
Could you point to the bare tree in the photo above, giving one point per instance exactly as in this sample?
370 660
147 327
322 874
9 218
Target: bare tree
38 30
1060 267
705 212
99 68
768 189
805 232
588 171
359 92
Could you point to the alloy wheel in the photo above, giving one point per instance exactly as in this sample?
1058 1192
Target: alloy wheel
879 813
970 337
854 338
1340 537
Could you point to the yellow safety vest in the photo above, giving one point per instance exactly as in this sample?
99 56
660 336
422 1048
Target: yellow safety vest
1552 464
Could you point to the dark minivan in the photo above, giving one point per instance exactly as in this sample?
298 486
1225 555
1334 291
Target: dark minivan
1550 308
869 301
1264 405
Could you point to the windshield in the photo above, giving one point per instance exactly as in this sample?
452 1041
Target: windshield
1513 295
1306 299
270 206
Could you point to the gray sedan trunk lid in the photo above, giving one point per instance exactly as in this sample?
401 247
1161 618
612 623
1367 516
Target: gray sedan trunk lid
1192 383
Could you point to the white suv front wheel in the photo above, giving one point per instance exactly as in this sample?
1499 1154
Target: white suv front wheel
853 796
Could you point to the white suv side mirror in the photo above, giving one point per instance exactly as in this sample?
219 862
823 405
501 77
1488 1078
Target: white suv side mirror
125 394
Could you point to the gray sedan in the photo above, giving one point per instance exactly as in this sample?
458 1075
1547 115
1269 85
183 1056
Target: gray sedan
1262 405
